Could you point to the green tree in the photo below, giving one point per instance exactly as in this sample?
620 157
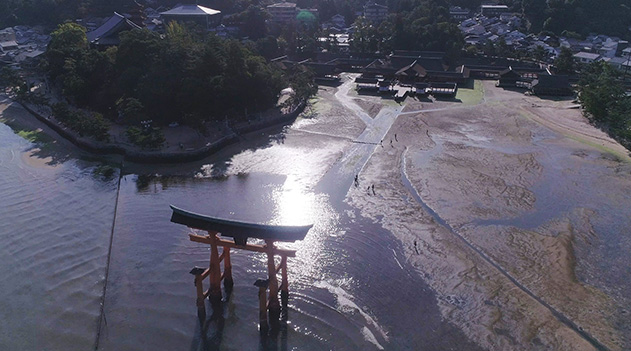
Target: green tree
539 53
13 82
131 110
68 41
137 52
605 102
364 38
301 80
565 61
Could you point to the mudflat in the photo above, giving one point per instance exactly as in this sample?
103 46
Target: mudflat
502 205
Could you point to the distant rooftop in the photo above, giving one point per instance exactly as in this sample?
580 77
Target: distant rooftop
494 6
283 4
191 10
587 55
106 34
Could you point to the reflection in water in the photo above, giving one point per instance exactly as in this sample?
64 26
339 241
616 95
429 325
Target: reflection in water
293 206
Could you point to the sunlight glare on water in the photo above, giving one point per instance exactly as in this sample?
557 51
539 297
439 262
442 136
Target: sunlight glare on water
293 205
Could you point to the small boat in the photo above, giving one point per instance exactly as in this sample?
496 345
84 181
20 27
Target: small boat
239 230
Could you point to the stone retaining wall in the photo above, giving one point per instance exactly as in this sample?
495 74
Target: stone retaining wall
159 156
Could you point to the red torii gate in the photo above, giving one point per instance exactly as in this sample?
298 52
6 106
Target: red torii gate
240 232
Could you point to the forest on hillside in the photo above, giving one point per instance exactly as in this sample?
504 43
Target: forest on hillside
612 17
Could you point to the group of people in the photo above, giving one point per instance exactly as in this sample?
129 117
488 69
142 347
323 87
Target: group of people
372 187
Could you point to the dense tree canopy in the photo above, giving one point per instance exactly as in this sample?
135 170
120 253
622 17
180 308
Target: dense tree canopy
181 78
416 25
604 100
565 61
611 17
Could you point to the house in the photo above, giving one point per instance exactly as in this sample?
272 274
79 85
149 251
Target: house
586 57
107 34
421 88
460 75
375 13
206 17
499 28
324 72
474 40
385 86
467 23
621 63
411 73
8 46
608 48
622 45
367 84
339 21
29 57
552 85
458 13
443 89
493 10
282 13
508 78
7 34
477 29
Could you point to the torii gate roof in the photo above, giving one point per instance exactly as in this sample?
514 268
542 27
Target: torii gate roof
239 230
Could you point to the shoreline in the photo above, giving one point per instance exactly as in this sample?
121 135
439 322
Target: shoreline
133 154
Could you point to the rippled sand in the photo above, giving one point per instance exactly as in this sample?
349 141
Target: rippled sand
501 222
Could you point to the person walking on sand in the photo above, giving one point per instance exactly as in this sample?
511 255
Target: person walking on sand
356 180
395 137
373 189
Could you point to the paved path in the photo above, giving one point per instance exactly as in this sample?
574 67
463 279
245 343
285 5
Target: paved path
341 175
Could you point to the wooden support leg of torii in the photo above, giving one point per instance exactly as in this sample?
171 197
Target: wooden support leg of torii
201 305
214 293
273 305
284 285
262 285
228 283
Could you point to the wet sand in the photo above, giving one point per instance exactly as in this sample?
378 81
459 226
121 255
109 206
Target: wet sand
484 162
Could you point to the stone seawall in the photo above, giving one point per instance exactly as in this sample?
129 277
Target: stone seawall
141 156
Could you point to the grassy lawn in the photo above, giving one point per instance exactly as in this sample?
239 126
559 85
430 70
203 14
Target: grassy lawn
471 94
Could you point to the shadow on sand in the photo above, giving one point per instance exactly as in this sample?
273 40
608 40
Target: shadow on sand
447 98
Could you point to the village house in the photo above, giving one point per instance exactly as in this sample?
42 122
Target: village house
457 13
282 13
375 13
621 63
206 17
586 57
493 10
22 45
367 84
546 85
338 20
508 78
